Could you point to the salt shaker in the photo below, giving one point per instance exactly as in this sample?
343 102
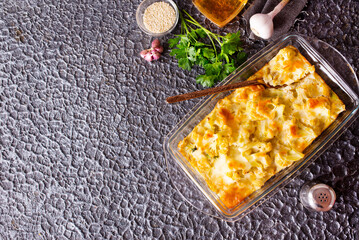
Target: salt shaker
317 196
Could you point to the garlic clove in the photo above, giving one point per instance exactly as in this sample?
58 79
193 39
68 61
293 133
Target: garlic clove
148 57
156 43
159 49
143 53
156 55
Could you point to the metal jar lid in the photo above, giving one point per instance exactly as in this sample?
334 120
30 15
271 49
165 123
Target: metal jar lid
317 196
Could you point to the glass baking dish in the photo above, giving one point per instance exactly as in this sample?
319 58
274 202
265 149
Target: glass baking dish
190 183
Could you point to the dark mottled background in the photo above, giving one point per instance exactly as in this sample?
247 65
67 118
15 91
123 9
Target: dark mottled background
83 119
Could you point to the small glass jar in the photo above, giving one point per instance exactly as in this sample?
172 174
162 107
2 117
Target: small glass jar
220 12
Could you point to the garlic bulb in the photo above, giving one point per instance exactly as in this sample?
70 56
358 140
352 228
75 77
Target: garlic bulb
262 24
153 53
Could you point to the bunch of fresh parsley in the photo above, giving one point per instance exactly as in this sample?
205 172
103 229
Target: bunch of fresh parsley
191 51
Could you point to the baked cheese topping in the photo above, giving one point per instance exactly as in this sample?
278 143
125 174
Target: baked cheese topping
255 132
287 67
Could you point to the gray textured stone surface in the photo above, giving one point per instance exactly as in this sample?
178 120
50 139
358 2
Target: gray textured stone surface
83 118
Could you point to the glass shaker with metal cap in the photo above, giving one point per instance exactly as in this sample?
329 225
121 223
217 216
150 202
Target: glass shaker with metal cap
317 196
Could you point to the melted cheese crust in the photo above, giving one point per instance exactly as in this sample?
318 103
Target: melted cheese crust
255 132
287 67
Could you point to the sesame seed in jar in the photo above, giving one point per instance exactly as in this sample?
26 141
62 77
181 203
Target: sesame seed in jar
159 17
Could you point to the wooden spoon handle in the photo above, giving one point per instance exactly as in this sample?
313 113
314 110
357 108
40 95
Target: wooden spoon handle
209 91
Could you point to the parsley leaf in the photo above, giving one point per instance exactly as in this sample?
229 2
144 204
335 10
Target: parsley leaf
173 42
205 80
192 54
200 32
213 68
185 63
208 53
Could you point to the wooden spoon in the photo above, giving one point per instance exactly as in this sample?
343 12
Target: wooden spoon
209 91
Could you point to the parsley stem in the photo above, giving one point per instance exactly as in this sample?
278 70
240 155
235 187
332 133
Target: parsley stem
209 33
185 26
194 22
